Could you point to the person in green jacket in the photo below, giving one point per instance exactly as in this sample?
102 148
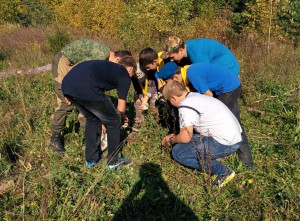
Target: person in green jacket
70 55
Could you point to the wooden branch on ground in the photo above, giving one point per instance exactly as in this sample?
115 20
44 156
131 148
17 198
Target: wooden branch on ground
256 111
33 71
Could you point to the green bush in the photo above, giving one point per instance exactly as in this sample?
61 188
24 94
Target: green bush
57 41
26 12
4 55
289 20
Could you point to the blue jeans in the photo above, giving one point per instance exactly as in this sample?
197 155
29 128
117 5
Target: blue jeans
201 153
231 101
96 113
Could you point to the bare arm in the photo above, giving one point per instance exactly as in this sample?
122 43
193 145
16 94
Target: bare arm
160 85
122 109
184 136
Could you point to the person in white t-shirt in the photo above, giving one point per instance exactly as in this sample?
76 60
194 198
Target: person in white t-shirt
208 131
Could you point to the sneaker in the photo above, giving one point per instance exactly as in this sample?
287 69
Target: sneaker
90 164
122 161
57 143
93 163
222 180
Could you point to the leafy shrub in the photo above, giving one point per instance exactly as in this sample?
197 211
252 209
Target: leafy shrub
149 22
26 12
289 20
58 40
95 16
4 55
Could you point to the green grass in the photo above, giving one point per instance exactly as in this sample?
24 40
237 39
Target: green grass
45 186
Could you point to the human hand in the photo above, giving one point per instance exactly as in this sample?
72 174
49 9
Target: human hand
126 119
166 140
145 104
68 102
140 73
103 129
125 123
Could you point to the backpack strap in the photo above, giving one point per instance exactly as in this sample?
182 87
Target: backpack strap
191 108
184 106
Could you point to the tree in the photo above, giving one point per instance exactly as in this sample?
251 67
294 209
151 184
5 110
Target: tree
25 12
289 19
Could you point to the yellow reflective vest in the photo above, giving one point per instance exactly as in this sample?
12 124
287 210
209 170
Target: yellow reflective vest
183 71
145 85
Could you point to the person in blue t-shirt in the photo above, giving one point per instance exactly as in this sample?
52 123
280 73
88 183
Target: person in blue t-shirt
213 80
200 50
84 86
216 81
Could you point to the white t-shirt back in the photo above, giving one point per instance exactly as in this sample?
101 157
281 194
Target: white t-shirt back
214 118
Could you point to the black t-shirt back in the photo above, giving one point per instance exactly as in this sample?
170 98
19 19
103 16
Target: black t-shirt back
90 79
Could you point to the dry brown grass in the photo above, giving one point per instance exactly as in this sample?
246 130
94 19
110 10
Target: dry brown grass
13 36
26 47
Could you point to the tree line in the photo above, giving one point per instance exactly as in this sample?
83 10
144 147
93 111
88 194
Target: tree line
142 22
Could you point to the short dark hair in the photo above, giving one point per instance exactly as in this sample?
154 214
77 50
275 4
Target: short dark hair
122 53
147 56
128 61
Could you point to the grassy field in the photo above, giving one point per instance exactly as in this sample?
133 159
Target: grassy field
35 184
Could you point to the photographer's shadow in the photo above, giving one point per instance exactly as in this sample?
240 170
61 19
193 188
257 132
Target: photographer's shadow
151 199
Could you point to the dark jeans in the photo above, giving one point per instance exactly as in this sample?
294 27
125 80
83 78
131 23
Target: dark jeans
96 113
201 153
231 101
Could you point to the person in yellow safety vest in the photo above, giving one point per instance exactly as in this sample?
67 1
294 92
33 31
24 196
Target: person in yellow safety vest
181 76
145 84
152 61
149 61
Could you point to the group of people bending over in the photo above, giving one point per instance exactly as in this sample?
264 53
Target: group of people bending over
199 78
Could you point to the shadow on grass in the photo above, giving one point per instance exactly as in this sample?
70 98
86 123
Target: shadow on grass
151 199
11 151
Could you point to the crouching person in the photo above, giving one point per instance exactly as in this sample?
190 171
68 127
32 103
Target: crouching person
84 87
208 131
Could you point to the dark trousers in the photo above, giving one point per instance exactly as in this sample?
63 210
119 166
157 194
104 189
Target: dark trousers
231 101
96 113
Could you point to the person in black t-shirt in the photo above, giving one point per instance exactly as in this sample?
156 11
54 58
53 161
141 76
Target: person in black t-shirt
84 87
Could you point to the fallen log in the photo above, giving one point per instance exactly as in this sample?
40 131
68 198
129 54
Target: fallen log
32 71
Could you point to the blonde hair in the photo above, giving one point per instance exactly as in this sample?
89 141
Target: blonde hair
173 88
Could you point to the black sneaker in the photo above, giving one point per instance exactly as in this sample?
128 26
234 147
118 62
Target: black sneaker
57 143
222 180
122 161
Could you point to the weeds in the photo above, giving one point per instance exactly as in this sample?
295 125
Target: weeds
44 186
